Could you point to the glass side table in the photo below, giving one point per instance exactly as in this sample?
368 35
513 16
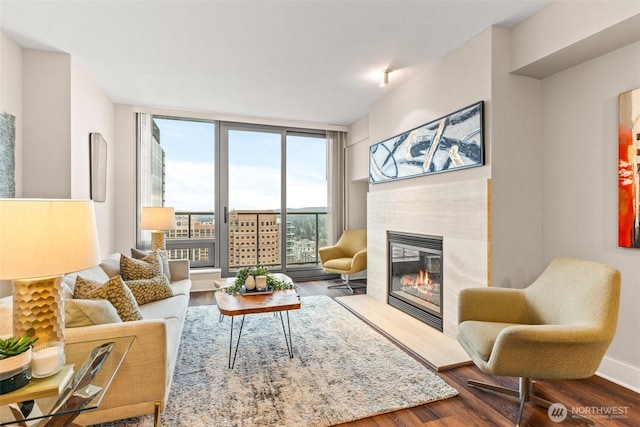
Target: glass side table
80 386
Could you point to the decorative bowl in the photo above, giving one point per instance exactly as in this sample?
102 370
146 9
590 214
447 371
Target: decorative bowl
15 372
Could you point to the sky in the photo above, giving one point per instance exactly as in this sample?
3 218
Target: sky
254 168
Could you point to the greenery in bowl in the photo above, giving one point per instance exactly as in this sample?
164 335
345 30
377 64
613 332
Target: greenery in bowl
12 347
257 270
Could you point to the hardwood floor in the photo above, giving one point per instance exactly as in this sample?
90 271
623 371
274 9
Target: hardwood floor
476 408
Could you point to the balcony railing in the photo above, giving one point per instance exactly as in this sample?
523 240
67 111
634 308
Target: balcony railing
193 239
254 238
309 234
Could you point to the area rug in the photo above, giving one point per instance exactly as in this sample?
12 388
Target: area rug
342 371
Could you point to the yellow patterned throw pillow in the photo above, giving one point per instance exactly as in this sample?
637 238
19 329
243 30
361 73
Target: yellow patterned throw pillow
164 259
115 291
136 269
147 290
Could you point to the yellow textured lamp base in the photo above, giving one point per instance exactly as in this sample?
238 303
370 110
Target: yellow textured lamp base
157 240
38 308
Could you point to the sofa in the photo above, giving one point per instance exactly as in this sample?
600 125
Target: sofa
143 381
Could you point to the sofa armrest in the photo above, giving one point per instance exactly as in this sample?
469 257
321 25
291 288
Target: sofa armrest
179 269
142 377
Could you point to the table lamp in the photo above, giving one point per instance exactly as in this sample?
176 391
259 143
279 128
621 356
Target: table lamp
158 219
40 240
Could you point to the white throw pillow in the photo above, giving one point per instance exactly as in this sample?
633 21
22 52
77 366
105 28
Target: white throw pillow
87 312
6 313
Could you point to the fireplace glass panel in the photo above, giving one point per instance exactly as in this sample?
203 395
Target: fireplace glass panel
415 275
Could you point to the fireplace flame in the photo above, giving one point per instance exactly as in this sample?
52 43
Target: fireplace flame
420 282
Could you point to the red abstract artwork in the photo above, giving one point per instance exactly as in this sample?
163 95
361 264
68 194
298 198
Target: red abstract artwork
629 169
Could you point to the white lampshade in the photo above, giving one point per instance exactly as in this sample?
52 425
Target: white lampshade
40 240
40 237
158 218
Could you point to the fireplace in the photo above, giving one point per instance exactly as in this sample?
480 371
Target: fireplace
415 276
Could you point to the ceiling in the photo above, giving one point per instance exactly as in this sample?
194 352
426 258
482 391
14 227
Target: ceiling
313 61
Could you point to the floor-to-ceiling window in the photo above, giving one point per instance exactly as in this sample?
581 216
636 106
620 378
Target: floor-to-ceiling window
243 194
180 168
274 195
307 194
253 196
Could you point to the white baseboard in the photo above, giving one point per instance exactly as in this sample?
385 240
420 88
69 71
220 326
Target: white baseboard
614 370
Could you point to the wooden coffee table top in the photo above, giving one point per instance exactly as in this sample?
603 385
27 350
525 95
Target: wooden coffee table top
234 305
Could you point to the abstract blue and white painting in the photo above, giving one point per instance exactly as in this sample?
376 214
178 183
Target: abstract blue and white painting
451 142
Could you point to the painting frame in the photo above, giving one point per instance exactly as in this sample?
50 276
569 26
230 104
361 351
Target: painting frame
7 155
98 167
452 142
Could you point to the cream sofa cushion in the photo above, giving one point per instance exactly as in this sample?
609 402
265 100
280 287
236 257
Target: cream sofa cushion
181 287
111 265
173 310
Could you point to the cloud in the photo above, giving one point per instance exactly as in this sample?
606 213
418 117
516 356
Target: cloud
190 187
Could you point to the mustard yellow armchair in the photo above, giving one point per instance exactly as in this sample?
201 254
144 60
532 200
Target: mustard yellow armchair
347 256
557 328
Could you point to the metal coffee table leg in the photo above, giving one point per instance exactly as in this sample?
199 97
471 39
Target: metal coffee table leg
233 362
289 339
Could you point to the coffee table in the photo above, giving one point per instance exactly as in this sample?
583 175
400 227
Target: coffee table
243 304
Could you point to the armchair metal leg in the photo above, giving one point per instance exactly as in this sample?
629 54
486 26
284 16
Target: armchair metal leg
346 283
156 414
524 395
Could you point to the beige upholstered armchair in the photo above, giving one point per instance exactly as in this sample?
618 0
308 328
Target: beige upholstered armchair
558 328
347 256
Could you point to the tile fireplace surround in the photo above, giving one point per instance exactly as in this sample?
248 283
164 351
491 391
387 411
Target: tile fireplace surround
459 212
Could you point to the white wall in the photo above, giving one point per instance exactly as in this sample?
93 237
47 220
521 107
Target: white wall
126 215
357 150
56 105
46 155
580 190
515 171
62 105
566 33
357 174
92 111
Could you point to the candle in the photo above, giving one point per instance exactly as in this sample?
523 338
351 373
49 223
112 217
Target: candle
261 282
48 360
